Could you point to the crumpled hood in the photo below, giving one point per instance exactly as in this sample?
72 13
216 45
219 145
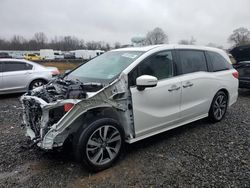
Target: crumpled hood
60 89
241 53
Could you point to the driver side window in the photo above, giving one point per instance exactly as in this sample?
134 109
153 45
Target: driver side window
159 65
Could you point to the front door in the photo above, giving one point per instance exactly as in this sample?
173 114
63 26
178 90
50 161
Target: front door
156 108
16 75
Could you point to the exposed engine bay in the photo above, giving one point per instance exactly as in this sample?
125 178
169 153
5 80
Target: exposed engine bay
60 89
55 111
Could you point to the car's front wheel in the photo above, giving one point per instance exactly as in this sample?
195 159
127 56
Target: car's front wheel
100 144
218 107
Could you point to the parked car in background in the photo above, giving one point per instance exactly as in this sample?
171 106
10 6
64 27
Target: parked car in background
231 57
58 55
21 75
127 95
69 55
243 67
33 57
87 54
18 56
4 55
241 55
47 54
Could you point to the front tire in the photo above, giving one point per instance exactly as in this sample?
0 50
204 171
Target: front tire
100 144
37 83
218 107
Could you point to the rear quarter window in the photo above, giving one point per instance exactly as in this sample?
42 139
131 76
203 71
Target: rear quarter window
218 62
29 66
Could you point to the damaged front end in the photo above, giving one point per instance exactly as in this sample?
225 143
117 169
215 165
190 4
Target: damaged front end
53 112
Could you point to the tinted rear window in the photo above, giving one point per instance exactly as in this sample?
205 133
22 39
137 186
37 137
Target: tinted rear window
192 61
16 66
218 62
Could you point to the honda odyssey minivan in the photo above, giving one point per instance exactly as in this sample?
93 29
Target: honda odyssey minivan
126 95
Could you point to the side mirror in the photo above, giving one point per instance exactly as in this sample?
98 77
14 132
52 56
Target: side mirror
145 81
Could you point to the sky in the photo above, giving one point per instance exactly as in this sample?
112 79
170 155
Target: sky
120 20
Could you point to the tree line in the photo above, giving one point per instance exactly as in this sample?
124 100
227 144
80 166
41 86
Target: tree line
240 36
40 41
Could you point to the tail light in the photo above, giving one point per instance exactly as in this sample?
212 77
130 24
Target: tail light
236 74
68 106
55 72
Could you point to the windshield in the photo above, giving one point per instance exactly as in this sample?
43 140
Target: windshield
104 68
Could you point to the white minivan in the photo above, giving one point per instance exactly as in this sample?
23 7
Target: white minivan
129 94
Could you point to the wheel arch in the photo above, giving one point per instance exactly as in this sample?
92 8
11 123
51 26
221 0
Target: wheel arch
225 91
86 118
211 113
101 112
34 79
218 90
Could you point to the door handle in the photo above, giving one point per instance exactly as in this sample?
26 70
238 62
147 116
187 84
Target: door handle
173 88
188 84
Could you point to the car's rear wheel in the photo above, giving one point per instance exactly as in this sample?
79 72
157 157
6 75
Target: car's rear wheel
218 107
37 83
100 144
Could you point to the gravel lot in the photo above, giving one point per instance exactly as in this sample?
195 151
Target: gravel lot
199 154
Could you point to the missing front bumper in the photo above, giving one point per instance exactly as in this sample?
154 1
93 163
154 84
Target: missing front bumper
41 120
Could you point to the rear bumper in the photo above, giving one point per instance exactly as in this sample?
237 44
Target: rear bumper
233 98
244 84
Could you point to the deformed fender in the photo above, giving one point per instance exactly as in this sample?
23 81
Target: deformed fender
115 96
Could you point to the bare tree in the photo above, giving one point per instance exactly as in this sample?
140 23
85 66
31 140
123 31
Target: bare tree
117 45
41 39
156 36
4 45
16 42
55 43
210 44
92 45
107 48
240 36
32 45
192 41
184 41
82 44
70 43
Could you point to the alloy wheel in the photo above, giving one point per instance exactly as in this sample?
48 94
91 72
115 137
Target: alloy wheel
219 107
103 145
37 84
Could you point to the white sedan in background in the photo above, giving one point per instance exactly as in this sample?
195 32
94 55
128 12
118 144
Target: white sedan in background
21 75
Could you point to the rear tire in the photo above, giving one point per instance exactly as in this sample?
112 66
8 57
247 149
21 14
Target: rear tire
37 83
100 144
218 107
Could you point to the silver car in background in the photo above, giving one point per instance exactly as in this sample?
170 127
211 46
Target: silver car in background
21 75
